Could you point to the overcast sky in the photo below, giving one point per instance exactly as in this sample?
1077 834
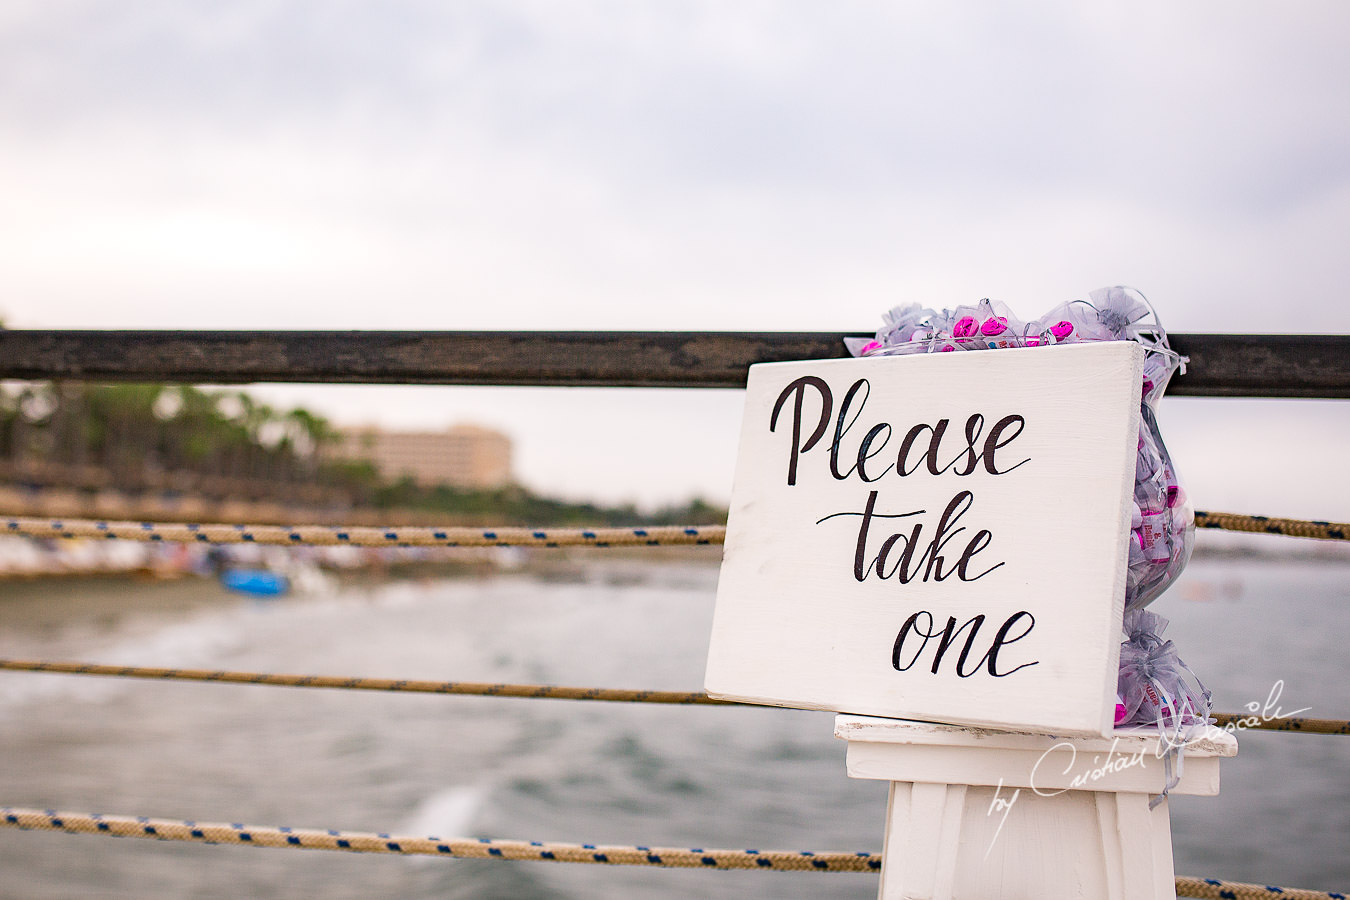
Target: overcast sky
639 165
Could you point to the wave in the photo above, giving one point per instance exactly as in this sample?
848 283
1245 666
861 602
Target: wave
447 814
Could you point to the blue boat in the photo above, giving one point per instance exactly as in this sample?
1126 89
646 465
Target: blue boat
255 582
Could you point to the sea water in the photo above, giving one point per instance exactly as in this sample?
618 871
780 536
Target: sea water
554 770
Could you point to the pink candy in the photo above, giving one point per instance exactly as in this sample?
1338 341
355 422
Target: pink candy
965 327
1153 536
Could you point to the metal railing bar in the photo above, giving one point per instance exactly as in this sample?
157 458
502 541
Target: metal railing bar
1307 366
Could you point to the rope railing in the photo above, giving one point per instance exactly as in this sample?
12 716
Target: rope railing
1304 528
1214 889
392 536
1248 722
535 851
463 848
393 685
1238 721
510 536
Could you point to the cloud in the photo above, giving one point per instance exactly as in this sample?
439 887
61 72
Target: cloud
1181 107
777 166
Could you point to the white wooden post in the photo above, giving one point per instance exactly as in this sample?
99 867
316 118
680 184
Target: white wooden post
978 814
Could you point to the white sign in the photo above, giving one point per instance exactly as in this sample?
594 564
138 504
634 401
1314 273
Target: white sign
938 537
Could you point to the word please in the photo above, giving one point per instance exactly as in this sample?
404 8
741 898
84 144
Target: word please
970 456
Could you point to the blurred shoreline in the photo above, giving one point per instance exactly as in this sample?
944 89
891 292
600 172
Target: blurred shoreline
80 561
1211 544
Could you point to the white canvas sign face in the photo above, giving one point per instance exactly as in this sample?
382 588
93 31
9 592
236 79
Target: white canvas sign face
937 537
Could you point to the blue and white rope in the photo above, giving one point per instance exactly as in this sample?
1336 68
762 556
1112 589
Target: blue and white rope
392 536
503 536
538 851
464 848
